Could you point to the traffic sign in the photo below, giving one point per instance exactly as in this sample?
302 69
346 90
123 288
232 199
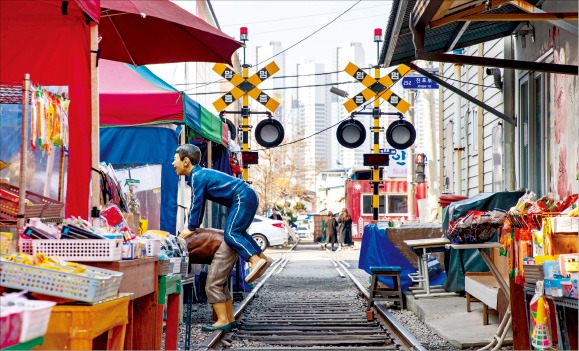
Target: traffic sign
376 88
246 86
388 151
418 82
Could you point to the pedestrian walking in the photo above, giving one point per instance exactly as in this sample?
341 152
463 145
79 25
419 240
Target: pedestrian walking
331 230
345 225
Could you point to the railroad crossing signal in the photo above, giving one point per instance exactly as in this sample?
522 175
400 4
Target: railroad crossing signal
246 86
376 88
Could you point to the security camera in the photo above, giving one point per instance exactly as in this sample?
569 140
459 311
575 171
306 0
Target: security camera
496 73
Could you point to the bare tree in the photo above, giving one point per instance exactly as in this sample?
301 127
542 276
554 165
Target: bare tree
279 176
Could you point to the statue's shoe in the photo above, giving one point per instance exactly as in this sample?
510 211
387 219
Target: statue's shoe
209 328
253 274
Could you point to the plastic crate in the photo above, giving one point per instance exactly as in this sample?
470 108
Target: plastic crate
153 247
93 285
10 326
35 318
184 267
81 250
164 266
25 246
40 206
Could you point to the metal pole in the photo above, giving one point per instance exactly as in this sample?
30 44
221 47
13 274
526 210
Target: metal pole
376 147
245 115
411 185
94 132
20 221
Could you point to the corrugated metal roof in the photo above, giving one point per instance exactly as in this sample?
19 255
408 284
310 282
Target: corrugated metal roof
439 39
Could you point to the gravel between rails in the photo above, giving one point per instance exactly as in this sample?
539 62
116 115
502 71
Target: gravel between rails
296 279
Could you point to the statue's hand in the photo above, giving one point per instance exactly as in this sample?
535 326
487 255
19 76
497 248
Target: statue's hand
185 233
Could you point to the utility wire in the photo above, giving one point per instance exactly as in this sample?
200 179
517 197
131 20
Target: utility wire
280 88
463 82
309 36
304 16
273 77
300 41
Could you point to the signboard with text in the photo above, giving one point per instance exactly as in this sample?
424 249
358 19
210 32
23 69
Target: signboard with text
418 82
398 166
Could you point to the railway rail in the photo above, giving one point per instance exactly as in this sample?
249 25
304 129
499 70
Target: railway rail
280 319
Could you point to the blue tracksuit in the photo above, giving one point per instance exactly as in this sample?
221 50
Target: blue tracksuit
208 184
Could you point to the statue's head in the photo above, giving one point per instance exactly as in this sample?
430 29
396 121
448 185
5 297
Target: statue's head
186 156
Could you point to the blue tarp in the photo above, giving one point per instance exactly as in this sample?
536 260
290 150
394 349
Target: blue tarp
146 145
378 250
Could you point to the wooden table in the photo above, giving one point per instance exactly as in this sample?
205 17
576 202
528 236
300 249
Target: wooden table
505 324
76 327
423 247
140 279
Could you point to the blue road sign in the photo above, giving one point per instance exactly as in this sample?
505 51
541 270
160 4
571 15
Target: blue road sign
418 82
388 151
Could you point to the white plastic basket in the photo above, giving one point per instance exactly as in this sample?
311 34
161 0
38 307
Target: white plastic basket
153 247
25 246
35 318
85 250
93 285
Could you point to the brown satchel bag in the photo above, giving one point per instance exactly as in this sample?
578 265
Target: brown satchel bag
203 244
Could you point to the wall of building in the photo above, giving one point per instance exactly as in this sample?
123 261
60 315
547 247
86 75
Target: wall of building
554 44
460 124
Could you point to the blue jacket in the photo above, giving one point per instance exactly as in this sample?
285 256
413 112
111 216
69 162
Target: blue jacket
208 184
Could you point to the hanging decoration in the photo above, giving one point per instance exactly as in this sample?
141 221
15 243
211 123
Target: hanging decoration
49 127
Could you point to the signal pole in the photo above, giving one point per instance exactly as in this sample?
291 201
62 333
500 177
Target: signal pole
243 36
410 152
376 130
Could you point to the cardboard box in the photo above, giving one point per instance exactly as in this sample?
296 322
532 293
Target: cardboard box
553 286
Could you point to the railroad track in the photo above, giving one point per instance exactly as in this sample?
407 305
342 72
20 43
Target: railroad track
279 319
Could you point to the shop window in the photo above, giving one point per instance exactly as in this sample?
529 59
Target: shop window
398 204
367 204
389 204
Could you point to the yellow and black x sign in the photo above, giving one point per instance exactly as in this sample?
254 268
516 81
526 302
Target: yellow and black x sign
375 88
246 86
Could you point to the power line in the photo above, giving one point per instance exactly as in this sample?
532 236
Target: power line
304 16
279 88
313 25
316 31
463 82
276 77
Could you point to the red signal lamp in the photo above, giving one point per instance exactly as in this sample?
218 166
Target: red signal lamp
378 34
243 34
420 159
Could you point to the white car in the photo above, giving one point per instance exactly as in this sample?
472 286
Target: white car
302 232
267 232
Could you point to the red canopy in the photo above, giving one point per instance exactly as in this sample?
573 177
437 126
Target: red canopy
37 38
144 32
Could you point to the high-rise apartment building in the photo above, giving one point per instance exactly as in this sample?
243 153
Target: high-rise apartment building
345 53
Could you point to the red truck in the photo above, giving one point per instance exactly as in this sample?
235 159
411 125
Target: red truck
393 200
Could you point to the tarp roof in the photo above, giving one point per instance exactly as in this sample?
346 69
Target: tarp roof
136 96
398 40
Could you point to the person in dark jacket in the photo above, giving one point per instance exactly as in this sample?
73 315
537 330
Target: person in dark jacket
331 233
345 225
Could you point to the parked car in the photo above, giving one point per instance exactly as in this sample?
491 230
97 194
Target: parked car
303 232
268 232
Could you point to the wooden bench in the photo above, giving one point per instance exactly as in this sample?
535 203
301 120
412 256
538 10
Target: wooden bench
384 293
483 287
